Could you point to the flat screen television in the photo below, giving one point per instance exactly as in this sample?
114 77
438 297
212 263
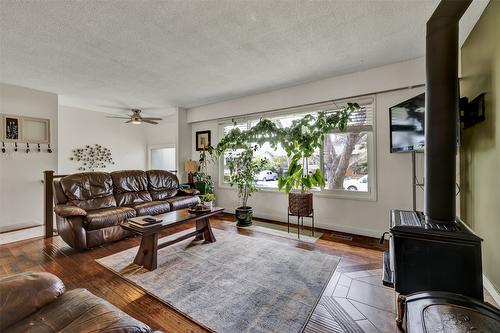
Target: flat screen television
407 125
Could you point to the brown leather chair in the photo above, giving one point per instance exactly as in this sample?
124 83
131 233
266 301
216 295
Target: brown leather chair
38 303
90 206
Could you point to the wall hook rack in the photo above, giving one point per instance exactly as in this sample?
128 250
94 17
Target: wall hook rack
39 149
49 150
15 146
27 148
3 147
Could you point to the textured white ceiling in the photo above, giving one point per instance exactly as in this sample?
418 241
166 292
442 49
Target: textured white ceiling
188 53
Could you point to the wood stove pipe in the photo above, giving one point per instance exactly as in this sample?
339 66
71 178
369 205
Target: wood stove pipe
442 110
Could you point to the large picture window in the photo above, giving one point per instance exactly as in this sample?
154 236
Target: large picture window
346 158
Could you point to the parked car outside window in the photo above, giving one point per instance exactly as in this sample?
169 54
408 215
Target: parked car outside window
266 175
356 184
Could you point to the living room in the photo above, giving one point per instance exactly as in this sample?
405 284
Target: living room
288 141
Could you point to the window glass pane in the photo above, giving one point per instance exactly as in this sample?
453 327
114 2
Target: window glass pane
163 159
345 159
276 165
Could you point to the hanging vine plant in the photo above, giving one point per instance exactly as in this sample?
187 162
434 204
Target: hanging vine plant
92 157
299 141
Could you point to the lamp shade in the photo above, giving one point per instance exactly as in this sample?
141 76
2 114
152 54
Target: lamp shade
190 166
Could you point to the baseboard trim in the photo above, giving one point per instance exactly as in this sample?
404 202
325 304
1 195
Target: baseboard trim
17 227
341 228
491 289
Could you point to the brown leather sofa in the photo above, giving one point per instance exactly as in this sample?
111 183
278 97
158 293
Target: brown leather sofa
90 206
38 303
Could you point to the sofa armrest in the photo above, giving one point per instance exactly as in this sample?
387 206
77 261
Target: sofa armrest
188 191
69 210
22 294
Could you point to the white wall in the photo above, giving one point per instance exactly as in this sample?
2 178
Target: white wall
79 127
369 218
403 74
21 190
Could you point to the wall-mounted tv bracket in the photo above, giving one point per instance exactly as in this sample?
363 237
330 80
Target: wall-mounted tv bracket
472 112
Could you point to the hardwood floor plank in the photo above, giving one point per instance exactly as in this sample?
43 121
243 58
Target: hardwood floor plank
80 270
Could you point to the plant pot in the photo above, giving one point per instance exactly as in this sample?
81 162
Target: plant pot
201 186
208 203
300 203
244 216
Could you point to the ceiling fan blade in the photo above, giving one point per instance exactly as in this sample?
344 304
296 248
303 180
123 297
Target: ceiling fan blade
117 117
128 121
151 108
149 121
151 118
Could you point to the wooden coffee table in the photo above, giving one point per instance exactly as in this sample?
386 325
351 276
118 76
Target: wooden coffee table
148 250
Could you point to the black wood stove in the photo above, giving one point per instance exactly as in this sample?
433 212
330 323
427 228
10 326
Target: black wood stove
432 257
433 250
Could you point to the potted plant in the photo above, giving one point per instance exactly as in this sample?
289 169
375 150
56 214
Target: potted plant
242 169
203 182
302 139
208 199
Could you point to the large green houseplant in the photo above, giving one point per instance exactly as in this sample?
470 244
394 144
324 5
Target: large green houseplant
243 168
303 138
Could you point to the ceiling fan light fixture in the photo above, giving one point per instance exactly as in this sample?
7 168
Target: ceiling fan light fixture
136 121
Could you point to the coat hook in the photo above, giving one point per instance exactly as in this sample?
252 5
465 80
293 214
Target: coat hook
49 150
3 147
27 148
39 150
15 146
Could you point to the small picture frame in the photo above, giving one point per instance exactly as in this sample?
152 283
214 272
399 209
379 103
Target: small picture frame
203 140
11 128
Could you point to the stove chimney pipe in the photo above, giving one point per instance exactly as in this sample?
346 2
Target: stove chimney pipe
441 119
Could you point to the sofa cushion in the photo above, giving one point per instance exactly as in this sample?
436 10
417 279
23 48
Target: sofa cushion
107 217
182 202
79 310
130 187
89 190
151 208
162 184
23 294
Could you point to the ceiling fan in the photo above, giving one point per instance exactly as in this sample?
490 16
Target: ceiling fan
136 118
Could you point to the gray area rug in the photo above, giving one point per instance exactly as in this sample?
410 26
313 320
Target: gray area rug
237 284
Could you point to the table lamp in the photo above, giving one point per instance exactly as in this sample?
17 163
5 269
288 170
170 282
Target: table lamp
190 167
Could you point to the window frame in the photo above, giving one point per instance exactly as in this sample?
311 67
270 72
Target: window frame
370 195
162 146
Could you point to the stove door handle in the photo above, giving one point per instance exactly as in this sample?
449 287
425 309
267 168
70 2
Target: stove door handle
381 241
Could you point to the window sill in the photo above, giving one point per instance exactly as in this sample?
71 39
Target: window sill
347 195
344 195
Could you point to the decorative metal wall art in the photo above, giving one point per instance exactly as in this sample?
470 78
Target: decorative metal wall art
92 157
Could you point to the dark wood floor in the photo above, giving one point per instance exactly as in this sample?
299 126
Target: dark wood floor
355 285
